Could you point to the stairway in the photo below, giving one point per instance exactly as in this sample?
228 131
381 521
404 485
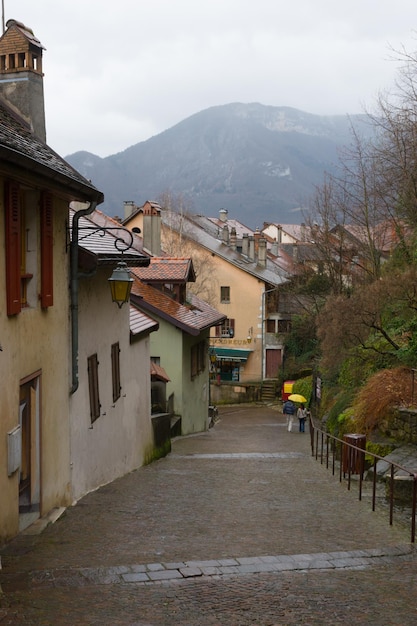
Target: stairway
269 390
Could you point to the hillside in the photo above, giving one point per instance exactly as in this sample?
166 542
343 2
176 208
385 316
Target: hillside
259 162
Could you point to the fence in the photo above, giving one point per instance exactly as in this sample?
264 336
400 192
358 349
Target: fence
350 452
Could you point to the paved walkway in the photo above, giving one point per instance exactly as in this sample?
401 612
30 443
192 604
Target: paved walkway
237 526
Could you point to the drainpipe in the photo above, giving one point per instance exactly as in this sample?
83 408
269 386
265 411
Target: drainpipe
74 291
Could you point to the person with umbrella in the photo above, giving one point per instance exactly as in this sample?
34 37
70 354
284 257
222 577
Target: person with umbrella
288 409
301 411
301 414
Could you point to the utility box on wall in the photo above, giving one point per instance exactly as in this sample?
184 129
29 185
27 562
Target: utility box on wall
14 450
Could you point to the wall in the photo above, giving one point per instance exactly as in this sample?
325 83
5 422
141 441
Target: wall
195 390
37 340
121 439
402 426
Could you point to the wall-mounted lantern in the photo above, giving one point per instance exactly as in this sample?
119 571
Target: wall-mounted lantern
120 284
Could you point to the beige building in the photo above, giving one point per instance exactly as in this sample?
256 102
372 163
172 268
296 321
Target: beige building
237 274
36 186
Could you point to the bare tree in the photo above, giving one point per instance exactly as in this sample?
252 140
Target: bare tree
178 240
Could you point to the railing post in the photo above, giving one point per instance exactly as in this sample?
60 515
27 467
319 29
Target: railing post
374 486
391 495
413 509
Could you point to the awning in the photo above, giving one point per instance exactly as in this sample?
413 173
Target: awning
230 354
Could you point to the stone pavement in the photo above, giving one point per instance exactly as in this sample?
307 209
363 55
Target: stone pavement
237 526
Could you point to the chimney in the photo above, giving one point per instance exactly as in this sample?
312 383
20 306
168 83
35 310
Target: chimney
275 248
251 251
223 215
152 228
128 208
225 234
21 77
233 238
262 252
245 244
257 236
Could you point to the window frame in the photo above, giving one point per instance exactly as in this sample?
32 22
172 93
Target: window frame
93 387
115 371
225 294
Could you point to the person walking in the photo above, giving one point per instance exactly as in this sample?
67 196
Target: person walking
288 409
301 414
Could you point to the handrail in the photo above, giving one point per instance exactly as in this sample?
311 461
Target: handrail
317 433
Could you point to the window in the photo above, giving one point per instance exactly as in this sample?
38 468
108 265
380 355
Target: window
225 295
115 371
270 326
198 358
22 249
227 329
95 405
284 326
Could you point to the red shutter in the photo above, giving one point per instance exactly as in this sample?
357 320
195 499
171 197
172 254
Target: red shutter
47 255
13 248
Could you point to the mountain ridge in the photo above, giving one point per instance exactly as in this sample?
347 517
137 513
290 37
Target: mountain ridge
252 159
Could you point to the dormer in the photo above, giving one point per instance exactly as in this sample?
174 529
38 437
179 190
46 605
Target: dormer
21 76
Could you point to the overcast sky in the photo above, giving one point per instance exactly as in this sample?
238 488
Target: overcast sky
118 72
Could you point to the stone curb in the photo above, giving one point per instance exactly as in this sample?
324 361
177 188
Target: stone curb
168 572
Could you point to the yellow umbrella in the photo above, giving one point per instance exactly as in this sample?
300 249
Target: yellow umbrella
297 397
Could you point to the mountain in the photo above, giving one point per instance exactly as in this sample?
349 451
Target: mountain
259 162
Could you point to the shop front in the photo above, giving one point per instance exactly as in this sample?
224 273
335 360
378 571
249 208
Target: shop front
226 363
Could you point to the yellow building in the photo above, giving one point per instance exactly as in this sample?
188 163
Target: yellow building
237 275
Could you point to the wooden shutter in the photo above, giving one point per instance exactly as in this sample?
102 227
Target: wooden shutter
93 389
13 248
115 368
47 252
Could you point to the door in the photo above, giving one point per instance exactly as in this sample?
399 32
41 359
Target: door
273 363
29 476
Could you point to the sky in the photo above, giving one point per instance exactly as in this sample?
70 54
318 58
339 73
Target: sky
120 72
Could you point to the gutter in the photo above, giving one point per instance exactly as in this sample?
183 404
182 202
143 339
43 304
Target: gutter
74 291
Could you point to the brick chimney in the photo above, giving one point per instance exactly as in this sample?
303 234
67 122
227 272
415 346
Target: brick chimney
233 238
21 77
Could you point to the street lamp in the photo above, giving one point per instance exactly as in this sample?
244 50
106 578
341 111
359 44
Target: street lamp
120 284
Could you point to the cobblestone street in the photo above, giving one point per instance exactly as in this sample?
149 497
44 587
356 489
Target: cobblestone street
239 525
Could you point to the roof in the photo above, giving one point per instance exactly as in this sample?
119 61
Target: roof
158 373
25 31
20 147
192 318
193 230
140 322
105 241
168 269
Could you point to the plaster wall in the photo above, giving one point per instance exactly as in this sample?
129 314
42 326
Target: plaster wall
121 439
36 341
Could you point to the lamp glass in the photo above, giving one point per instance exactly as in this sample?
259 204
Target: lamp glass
120 284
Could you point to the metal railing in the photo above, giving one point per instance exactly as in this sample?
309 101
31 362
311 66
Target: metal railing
330 449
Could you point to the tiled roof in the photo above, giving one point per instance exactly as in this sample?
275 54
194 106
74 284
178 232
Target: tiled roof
18 145
140 322
191 319
272 274
158 372
168 269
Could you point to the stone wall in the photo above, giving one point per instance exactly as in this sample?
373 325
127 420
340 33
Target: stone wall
234 393
402 426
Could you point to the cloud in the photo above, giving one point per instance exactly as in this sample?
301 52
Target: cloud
118 73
